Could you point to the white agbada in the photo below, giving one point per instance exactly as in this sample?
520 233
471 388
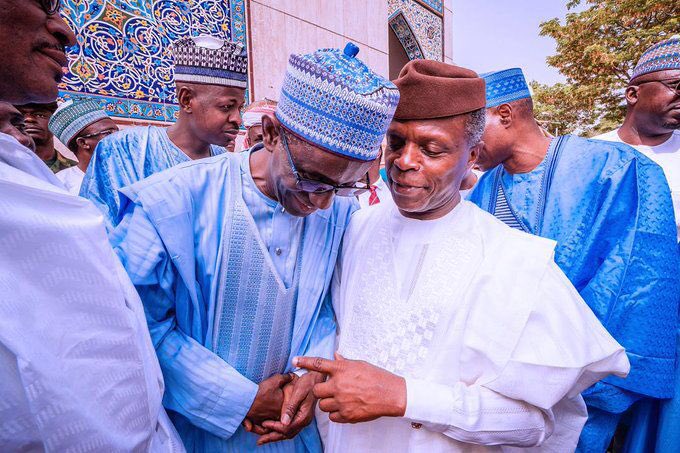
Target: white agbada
71 178
78 371
667 155
494 342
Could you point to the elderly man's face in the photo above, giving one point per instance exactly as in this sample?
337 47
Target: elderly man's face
216 113
311 163
12 124
658 100
426 161
254 134
32 53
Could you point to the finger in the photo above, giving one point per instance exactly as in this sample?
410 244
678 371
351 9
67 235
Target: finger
283 379
260 430
336 417
248 425
329 405
315 364
271 437
339 357
324 390
291 405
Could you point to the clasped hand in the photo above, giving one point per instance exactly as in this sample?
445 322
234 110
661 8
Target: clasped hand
284 404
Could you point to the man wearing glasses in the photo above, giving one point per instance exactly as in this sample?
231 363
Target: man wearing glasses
652 126
652 123
78 371
233 257
80 126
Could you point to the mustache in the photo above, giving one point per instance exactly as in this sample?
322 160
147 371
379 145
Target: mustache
50 45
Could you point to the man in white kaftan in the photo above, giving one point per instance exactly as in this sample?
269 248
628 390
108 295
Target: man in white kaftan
455 332
77 368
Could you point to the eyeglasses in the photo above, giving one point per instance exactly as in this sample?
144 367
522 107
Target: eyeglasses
318 187
103 133
51 7
674 84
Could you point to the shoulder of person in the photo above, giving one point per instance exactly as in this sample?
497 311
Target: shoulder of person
499 239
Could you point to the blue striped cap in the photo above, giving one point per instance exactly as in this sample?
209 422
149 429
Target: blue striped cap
334 101
211 61
72 117
505 86
661 56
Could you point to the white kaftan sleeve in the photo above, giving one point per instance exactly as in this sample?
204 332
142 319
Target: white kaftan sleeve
562 350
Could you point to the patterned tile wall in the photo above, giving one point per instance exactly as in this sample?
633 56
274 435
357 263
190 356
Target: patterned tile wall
437 5
123 57
427 26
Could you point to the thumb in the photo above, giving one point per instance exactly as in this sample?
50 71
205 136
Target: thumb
285 379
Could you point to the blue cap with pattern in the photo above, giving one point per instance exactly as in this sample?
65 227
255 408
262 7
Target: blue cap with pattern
661 56
332 100
505 86
72 117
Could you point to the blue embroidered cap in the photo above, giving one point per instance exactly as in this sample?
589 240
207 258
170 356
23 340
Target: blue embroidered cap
72 117
505 86
211 61
334 101
661 56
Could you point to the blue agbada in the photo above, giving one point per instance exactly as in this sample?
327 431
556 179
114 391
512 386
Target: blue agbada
124 158
223 315
609 209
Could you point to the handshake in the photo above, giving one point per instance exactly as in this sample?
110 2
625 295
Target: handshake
355 391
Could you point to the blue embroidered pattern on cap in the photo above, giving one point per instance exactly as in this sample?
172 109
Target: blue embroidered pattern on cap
659 57
72 117
332 99
505 86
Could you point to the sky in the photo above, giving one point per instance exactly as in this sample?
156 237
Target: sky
491 35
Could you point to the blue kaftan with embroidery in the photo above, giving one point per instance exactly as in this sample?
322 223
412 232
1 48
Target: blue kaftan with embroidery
609 209
199 260
123 158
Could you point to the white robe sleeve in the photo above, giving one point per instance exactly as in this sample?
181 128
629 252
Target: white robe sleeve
562 350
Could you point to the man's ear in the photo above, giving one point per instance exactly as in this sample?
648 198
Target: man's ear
505 113
632 92
82 144
270 131
185 96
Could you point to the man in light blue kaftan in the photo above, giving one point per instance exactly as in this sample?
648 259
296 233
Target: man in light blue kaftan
609 209
233 255
211 79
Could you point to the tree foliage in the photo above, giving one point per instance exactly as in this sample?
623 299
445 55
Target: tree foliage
597 49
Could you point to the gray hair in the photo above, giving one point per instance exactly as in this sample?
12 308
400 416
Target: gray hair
474 126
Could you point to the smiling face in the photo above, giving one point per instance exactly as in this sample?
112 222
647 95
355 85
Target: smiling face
426 160
33 55
311 163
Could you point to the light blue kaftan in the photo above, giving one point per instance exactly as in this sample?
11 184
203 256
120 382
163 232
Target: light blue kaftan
214 305
609 209
124 158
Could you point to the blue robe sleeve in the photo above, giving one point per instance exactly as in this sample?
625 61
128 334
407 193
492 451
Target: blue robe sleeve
201 386
322 339
634 292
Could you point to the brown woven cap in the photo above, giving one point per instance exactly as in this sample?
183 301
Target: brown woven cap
432 89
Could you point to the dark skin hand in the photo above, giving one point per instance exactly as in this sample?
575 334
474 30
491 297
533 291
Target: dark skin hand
268 401
356 391
297 410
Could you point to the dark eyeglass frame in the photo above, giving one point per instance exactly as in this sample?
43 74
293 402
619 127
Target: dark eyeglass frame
318 187
51 7
675 88
105 132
